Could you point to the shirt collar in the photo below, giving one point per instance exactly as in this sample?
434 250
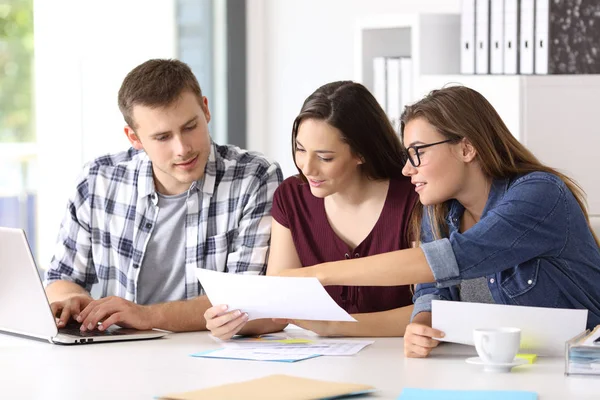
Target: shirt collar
206 184
497 191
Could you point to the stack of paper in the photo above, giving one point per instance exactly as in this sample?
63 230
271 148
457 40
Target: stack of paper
583 354
284 349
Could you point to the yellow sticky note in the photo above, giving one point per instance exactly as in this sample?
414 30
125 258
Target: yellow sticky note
292 341
529 357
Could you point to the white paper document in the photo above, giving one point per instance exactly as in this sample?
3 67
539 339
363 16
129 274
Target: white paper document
271 296
253 355
321 347
544 331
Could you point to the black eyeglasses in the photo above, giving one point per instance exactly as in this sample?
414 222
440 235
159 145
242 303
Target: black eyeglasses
413 152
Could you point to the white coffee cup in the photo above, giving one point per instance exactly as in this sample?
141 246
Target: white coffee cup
497 345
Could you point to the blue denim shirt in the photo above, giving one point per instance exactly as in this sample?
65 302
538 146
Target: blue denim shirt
532 243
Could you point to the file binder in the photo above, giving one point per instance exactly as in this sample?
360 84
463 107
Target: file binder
526 48
497 37
379 81
511 36
482 36
467 33
567 37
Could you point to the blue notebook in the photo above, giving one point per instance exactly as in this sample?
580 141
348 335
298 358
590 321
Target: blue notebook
433 394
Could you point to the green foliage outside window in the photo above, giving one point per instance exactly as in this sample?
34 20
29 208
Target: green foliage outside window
16 71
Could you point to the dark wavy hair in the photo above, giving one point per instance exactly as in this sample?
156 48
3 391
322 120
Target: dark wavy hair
352 109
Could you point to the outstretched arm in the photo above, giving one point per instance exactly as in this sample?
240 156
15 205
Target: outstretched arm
401 267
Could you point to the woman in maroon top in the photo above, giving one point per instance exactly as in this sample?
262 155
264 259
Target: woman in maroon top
349 200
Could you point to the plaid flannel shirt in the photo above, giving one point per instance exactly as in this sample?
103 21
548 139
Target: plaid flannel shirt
108 223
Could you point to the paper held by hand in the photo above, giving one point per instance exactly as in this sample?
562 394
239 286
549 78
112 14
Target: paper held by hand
271 296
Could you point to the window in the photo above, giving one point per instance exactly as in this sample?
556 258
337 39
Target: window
17 124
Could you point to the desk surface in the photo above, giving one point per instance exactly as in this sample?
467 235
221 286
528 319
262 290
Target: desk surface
145 369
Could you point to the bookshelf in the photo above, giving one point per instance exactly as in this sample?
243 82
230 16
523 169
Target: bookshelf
555 116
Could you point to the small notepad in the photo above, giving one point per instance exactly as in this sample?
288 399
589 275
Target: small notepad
275 387
432 394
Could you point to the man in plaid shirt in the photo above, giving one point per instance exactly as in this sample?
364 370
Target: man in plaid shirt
142 221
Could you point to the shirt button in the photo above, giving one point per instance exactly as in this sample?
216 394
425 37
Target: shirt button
148 225
136 266
529 282
492 280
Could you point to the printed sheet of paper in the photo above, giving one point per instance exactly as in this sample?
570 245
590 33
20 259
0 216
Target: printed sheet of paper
272 296
321 347
254 355
544 331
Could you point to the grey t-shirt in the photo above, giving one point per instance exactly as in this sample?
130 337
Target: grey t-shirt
476 291
162 273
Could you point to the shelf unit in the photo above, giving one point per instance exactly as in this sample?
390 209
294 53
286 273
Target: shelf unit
555 116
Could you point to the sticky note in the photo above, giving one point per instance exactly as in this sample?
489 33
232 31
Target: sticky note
529 357
433 394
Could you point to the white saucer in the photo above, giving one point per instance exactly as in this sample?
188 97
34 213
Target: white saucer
496 367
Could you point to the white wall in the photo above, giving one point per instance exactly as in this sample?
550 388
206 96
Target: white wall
83 50
295 47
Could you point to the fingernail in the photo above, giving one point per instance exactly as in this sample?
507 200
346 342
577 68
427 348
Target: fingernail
238 313
90 326
78 318
443 334
61 323
223 307
245 315
82 328
100 327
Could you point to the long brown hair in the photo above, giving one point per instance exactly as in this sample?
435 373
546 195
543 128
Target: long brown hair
459 112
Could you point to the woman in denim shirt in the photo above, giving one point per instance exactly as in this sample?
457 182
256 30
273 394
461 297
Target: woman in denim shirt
497 225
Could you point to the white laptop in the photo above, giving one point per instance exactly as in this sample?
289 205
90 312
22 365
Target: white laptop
24 307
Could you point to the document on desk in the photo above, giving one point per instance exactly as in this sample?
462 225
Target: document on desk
544 331
271 296
254 355
322 347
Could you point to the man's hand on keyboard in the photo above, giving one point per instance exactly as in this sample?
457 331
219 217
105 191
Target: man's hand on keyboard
115 310
70 308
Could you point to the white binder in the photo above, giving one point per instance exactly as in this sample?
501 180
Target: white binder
406 90
527 37
542 44
394 102
511 36
497 37
379 81
482 36
467 37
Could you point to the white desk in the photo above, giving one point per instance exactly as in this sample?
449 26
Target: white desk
144 369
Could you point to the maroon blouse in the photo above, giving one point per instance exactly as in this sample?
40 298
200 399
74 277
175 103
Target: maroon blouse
304 215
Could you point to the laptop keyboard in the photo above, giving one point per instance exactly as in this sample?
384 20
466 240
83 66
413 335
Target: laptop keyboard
75 331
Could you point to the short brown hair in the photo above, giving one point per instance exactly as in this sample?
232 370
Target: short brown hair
156 83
